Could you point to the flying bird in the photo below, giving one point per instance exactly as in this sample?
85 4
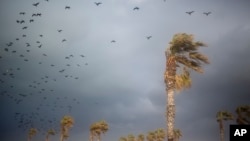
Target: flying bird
35 4
82 55
207 13
64 40
22 21
59 30
25 27
98 3
67 7
190 12
148 37
22 13
113 41
31 20
136 8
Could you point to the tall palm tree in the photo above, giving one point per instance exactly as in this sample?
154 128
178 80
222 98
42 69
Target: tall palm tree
177 134
160 134
182 52
66 123
32 133
140 137
243 114
50 132
98 128
220 116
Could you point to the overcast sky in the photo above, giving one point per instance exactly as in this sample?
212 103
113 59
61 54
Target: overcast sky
44 77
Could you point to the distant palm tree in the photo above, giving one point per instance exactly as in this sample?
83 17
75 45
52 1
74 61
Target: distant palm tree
98 128
66 123
243 114
50 132
151 136
183 51
223 115
32 133
123 139
177 134
131 137
140 137
160 134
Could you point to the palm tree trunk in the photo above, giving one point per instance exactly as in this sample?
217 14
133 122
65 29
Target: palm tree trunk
221 130
47 137
169 78
170 115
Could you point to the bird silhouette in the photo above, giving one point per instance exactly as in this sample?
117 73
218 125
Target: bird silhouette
22 21
190 12
98 3
67 7
24 35
148 37
59 30
64 40
136 8
207 13
35 4
25 27
31 20
113 41
22 13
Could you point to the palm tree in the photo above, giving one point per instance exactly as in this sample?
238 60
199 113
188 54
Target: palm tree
98 128
183 51
151 136
243 114
50 132
123 139
131 137
160 134
223 115
66 123
177 134
140 137
32 132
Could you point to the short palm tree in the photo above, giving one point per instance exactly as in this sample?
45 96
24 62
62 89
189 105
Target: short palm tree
151 136
50 132
140 137
243 114
32 133
123 139
177 134
160 134
131 137
98 128
66 123
221 116
182 53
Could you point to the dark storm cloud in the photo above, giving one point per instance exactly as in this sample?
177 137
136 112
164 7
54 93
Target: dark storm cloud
122 82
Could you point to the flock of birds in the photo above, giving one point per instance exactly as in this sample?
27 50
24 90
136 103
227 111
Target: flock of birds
43 86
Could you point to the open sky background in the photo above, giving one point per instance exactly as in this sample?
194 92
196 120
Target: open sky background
90 78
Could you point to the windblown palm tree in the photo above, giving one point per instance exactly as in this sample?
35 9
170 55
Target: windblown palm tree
98 128
49 132
160 134
223 115
177 134
32 133
243 114
140 137
66 123
182 53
